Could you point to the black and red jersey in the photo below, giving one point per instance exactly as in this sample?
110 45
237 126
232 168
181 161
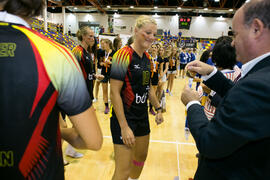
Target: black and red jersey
172 63
164 61
106 68
134 70
86 62
38 77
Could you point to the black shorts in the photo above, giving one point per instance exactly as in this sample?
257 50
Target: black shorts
105 79
154 79
63 115
90 88
139 128
183 66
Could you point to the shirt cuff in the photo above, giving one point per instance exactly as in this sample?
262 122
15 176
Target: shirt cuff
205 78
191 103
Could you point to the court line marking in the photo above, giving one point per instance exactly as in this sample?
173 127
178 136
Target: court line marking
165 142
178 163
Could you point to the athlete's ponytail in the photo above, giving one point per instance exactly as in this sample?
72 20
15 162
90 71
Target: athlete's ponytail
81 32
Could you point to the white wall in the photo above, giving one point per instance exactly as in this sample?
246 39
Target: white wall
163 22
73 19
124 20
94 18
203 27
208 27
55 18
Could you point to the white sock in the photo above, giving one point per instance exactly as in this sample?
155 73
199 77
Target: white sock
70 149
132 179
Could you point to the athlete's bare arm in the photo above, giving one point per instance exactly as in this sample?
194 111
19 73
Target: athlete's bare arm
86 132
127 134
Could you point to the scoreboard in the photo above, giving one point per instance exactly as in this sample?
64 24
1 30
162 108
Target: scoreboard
184 22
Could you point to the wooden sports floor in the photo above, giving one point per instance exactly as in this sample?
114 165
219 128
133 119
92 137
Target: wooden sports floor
170 156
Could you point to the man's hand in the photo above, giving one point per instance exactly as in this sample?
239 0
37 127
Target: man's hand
199 67
206 89
188 95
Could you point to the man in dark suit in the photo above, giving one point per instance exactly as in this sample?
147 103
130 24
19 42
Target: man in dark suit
235 144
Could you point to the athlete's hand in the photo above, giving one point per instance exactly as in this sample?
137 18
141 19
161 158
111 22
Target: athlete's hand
160 82
159 118
161 75
128 136
99 76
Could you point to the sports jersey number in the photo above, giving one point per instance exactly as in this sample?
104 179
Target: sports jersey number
146 78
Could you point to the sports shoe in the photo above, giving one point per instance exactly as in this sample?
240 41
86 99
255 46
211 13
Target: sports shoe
167 91
74 154
70 151
106 110
94 100
66 162
187 133
152 112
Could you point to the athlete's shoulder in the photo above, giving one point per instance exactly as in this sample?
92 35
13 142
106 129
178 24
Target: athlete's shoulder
77 48
123 55
41 40
148 55
126 50
52 52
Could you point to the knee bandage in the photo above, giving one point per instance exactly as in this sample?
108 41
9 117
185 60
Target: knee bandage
136 163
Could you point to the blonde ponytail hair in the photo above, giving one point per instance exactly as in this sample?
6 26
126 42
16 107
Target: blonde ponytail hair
81 32
143 20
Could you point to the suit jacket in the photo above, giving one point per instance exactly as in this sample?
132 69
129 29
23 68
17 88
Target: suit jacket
235 144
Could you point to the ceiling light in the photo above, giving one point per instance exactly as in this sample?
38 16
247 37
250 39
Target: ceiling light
116 15
108 6
230 9
131 7
220 18
216 0
178 7
205 9
75 8
156 15
185 0
155 7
